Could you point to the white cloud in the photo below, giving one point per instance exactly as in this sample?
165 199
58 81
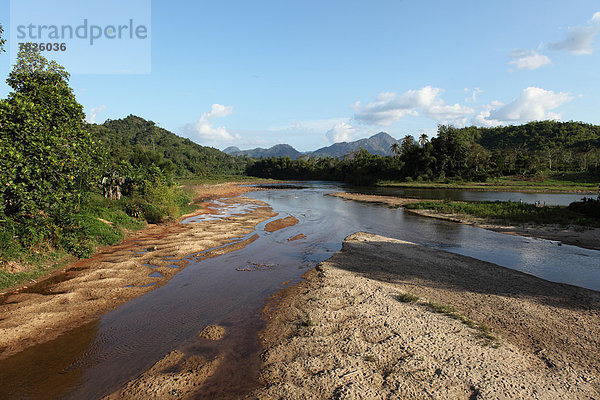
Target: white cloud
340 132
204 129
390 107
94 113
580 39
473 93
528 59
533 104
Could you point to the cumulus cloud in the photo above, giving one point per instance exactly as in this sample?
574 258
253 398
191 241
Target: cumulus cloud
580 39
94 113
528 59
204 129
533 104
340 132
390 107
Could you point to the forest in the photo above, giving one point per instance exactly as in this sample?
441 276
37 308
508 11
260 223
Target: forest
470 154
143 143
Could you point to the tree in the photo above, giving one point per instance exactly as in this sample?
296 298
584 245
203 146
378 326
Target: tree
2 40
395 148
450 150
408 142
423 140
49 160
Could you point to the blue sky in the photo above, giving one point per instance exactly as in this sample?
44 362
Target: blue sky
256 73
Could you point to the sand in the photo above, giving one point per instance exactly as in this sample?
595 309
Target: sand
574 235
281 223
89 288
343 334
174 376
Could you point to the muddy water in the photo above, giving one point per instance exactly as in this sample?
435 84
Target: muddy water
230 290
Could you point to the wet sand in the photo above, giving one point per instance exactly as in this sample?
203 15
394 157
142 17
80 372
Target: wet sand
588 238
344 334
281 223
82 292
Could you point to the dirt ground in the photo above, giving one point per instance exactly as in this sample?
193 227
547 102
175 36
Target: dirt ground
80 293
344 334
222 190
573 235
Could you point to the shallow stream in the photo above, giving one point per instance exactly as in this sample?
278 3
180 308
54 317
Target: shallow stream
230 290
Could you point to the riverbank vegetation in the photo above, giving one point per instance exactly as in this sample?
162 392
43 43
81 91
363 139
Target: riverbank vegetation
583 213
560 155
548 183
68 187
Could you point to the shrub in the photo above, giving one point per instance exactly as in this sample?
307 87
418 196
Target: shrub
151 213
589 207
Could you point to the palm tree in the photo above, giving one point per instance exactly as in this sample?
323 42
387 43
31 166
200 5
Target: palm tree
423 139
395 148
407 143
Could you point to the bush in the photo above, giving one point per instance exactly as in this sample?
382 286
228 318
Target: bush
589 207
151 213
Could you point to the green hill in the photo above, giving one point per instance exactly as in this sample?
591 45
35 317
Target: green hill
133 138
539 135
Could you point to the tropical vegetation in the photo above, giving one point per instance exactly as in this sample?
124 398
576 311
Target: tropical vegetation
582 213
61 191
534 151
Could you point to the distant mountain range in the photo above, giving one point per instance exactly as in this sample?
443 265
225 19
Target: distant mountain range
279 150
377 144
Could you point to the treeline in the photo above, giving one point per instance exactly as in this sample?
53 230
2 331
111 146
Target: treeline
472 153
361 168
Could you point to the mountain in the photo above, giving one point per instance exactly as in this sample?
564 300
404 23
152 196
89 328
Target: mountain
133 138
279 150
377 144
231 150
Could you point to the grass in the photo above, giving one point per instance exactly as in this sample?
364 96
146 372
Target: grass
39 245
216 179
484 331
509 212
407 298
38 265
53 245
308 322
567 182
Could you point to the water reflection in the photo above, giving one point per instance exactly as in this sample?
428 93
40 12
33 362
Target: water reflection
555 199
135 336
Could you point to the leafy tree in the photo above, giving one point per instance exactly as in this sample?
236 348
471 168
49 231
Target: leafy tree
423 140
450 149
2 40
395 148
49 160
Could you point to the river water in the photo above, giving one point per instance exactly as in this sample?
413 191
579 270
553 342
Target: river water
96 359
550 199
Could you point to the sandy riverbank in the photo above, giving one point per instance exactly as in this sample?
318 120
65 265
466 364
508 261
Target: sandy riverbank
343 333
573 235
81 292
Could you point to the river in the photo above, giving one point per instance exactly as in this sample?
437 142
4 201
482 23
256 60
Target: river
96 359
